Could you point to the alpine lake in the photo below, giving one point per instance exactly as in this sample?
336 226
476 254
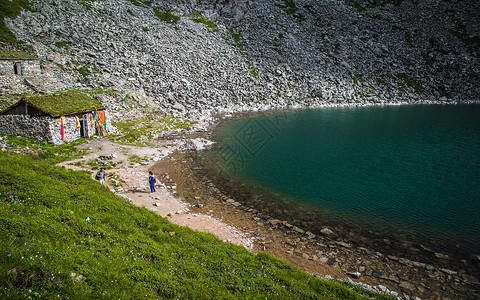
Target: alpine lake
385 176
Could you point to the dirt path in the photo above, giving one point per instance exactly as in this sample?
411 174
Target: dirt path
130 166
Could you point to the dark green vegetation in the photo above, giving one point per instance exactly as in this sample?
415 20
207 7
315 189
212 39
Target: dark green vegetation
45 152
61 44
166 16
16 54
63 103
64 235
199 18
140 132
10 9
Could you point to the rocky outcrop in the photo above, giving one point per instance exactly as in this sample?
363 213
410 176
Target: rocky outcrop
237 55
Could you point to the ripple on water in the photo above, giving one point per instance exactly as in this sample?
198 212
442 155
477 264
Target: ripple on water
410 171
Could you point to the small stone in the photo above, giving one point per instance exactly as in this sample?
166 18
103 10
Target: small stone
230 200
323 259
469 278
418 264
299 230
199 205
407 285
449 272
475 257
326 231
331 261
274 222
354 274
382 288
156 204
440 255
377 273
343 244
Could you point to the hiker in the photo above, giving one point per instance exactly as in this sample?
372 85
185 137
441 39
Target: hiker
100 176
152 181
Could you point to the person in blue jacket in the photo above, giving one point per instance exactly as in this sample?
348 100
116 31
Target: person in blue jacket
152 181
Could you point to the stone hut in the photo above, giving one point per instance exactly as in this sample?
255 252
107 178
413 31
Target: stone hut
17 66
56 118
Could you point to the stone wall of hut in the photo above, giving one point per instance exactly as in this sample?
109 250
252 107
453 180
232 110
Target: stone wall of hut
26 126
25 67
46 129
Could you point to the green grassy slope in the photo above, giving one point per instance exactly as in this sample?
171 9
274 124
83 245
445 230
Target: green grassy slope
62 233
10 9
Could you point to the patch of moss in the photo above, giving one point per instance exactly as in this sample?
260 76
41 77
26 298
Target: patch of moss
86 3
84 71
8 100
140 132
199 18
88 70
11 9
62 44
289 6
4 54
167 17
140 3
472 42
63 103
253 71
236 38
145 29
417 86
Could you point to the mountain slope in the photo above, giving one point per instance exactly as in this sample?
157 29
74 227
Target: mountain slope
197 58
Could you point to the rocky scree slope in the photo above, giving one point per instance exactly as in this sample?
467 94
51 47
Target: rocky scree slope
194 58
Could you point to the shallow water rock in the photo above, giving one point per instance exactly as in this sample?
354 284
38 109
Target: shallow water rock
327 231
440 255
354 274
407 285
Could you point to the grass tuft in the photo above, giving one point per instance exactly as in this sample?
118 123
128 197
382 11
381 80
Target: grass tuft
167 16
199 18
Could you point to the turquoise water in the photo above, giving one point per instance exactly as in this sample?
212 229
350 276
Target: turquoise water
394 169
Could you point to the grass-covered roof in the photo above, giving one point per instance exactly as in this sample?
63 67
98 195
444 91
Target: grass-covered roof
63 104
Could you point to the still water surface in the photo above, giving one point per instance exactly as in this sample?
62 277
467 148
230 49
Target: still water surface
400 169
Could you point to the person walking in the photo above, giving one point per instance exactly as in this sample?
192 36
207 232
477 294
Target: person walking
152 181
100 176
